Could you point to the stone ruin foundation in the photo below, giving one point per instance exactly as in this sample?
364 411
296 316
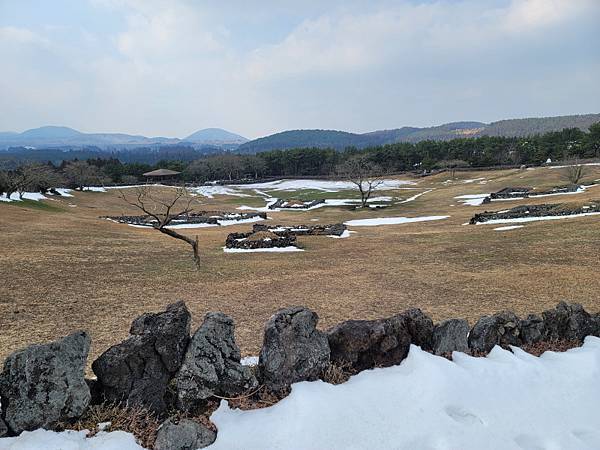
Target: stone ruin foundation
207 217
295 204
548 210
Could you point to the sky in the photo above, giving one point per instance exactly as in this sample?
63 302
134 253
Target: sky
171 67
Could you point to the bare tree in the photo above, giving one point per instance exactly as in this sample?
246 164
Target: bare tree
81 174
364 174
163 212
574 172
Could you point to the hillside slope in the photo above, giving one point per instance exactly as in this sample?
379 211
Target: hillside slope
341 139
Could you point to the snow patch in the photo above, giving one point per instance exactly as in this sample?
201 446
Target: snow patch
263 250
429 402
344 235
14 197
70 440
512 227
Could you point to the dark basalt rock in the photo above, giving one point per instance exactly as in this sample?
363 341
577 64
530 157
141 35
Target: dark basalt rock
532 329
212 364
293 349
569 322
139 369
44 384
451 335
336 229
420 328
364 344
185 435
498 329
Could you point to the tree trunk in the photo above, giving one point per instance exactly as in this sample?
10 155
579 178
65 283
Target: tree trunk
190 241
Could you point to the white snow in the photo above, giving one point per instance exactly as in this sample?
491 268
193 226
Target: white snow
414 197
64 192
472 199
70 440
574 165
211 191
512 227
14 197
507 401
249 361
100 188
391 221
263 250
536 219
320 185
473 180
344 235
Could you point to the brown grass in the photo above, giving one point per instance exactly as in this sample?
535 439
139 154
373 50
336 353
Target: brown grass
135 420
62 271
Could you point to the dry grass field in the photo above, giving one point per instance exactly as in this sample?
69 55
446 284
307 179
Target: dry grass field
62 268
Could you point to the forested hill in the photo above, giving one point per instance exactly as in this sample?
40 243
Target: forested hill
341 139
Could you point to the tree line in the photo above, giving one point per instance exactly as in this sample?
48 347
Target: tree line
486 151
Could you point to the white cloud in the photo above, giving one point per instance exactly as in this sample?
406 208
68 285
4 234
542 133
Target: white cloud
172 67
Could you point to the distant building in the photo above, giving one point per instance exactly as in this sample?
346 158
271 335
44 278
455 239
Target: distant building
161 175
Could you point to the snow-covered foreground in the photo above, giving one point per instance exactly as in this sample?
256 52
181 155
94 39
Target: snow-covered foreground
504 401
70 440
391 221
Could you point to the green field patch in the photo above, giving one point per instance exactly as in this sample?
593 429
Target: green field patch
33 204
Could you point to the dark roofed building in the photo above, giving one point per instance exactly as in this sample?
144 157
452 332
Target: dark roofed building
161 175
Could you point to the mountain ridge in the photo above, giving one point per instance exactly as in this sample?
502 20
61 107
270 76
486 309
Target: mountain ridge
448 131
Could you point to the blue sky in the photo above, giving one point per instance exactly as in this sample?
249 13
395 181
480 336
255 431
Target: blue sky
172 67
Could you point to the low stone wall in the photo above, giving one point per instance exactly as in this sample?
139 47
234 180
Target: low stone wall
162 368
295 204
546 210
260 239
525 192
336 229
208 217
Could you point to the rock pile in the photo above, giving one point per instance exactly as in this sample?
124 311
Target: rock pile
536 211
336 229
259 239
295 204
200 217
161 368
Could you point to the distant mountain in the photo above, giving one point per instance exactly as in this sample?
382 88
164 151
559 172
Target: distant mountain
50 132
215 135
68 138
341 139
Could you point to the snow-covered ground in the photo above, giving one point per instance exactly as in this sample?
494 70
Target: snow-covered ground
14 197
505 401
472 199
391 221
344 235
70 440
263 250
511 227
319 185
573 165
